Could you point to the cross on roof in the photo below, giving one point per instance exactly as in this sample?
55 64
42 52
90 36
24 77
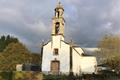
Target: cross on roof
58 1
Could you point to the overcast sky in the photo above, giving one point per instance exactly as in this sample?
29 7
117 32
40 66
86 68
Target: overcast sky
86 20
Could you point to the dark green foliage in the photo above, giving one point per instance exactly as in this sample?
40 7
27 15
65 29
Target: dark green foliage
102 76
114 63
5 40
29 75
6 75
21 75
62 77
55 77
36 58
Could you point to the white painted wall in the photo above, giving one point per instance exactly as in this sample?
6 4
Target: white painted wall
83 64
63 57
76 61
46 57
88 65
19 67
56 41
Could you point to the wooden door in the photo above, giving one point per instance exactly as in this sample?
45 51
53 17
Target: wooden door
55 67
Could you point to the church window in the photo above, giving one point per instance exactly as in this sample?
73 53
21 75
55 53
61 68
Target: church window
57 26
56 51
58 14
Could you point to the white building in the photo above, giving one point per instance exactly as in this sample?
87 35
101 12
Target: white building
19 67
61 57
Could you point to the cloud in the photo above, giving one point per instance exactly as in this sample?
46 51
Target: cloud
94 20
86 20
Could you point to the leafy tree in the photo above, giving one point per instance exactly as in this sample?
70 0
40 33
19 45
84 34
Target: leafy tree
2 42
15 53
110 49
110 46
35 58
114 63
5 40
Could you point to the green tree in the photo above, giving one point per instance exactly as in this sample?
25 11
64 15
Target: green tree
36 58
12 52
5 40
2 43
15 53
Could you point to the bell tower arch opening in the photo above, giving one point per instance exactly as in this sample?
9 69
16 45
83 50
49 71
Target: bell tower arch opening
57 27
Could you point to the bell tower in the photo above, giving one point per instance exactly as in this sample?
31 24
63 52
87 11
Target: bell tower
58 24
58 21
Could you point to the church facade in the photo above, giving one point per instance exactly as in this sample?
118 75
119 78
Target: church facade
61 57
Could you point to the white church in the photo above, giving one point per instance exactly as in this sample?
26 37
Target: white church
61 57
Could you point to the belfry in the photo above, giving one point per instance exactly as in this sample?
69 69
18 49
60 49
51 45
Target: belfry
58 21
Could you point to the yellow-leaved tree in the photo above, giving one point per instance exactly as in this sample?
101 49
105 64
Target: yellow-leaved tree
110 49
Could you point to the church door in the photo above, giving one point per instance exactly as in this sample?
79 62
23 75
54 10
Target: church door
55 67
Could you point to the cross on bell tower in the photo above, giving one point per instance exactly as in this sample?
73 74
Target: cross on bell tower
58 20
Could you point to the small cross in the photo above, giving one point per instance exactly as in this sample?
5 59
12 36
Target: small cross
58 1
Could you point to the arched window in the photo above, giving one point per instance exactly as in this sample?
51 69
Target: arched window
58 14
57 27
